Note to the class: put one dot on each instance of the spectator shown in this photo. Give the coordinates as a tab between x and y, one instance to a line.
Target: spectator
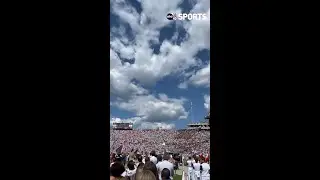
151	167
131	171
136	143
196	169
146	175
190	168
146	159
153	157
159	158
187	142
165	174
205	170
139	159
141	165
165	164
116	171
113	160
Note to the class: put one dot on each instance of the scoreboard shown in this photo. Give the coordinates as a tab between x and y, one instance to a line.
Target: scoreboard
122	126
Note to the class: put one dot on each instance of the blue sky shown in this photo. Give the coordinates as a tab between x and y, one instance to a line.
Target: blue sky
159	67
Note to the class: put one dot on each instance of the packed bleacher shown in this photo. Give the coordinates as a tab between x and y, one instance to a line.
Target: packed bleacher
185	142
157	154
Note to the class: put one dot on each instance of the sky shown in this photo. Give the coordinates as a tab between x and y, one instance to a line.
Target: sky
159	69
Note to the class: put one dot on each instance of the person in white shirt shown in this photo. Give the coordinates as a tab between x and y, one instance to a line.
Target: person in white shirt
153	157
205	173
193	159
196	169
190	168
159	158
165	164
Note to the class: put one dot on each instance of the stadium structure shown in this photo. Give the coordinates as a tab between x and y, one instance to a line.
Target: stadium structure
122	126
204	125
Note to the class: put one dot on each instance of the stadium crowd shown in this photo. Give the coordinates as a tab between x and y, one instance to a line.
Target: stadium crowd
156	154
185	142
151	166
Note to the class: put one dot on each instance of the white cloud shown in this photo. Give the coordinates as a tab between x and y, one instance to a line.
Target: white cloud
121	86
148	125
152	109
149	67
126	52
128	82
207	102
128	120
183	85
114	60
163	97
201	77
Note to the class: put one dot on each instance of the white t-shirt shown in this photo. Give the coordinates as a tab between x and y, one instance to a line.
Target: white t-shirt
157	165
189	162
196	166
205	169
153	159
165	164
196	171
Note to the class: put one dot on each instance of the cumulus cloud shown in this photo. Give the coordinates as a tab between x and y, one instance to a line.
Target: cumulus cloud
149	67
148	125
200	78
152	109
183	85
128	120
121	86
129	82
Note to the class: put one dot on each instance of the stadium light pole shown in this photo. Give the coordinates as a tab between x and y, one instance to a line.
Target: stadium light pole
191	113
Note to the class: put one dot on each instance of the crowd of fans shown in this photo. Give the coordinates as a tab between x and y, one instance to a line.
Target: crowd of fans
136	166
185	142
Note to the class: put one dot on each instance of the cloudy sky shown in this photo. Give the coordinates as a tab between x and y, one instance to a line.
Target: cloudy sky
158	68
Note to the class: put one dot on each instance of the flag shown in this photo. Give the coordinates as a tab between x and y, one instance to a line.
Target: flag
118	151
